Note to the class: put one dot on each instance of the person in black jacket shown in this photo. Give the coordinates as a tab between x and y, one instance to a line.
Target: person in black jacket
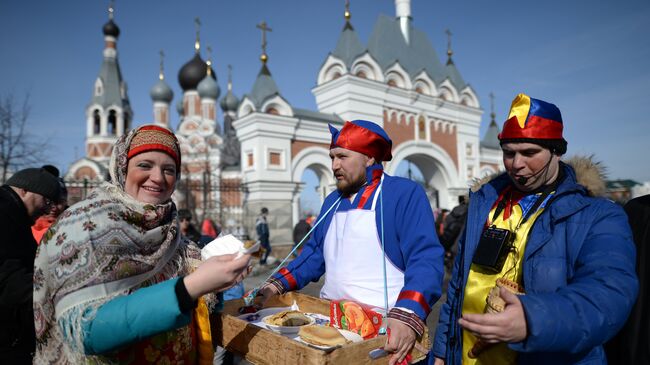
187	228
452	228
27	195
299	232
262	229
631	345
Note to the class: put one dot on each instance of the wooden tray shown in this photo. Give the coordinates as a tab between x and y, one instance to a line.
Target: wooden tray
262	346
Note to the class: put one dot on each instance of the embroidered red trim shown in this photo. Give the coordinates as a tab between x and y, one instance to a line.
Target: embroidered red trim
293	284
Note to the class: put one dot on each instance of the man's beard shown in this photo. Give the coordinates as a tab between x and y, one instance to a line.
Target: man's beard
349	188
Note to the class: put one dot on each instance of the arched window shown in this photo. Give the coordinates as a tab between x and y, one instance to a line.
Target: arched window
272	110
362	75
96	122
111	128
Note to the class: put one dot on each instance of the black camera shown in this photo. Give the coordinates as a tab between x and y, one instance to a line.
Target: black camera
493	249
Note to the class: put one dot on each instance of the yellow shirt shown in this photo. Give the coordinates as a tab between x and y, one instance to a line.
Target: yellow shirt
479	281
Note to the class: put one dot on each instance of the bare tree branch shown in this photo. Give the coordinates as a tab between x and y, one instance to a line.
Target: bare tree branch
18	147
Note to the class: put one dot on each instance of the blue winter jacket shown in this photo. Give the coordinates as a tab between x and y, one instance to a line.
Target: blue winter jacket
578	275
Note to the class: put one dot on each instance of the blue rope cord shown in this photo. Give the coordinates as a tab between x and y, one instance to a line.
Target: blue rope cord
382	329
248	300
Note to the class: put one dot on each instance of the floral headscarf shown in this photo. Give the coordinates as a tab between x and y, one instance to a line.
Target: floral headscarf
106	239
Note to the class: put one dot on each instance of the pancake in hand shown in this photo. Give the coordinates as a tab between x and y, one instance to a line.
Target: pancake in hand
322	336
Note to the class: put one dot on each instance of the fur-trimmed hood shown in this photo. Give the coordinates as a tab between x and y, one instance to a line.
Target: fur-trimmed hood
589	173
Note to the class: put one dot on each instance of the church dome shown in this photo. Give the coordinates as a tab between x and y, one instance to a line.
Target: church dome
111	29
192	73
208	88
161	92
229	102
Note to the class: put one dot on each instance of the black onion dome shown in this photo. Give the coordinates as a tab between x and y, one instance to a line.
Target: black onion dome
110	28
192	73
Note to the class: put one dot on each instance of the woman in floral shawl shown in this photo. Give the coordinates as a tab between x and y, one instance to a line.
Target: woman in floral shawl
114	281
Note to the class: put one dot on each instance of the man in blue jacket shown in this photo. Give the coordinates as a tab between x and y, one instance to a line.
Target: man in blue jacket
368	207
536	231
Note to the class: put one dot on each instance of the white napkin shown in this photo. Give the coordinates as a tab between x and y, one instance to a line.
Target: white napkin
223	245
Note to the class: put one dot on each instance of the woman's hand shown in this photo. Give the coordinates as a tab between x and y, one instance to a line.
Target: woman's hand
216	274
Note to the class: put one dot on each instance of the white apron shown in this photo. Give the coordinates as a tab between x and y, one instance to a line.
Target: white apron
354	260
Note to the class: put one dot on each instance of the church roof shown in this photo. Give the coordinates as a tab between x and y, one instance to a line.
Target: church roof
229	102
193	72
491	138
111	29
208	88
455	77
264	87
387	45
112	81
348	46
161	92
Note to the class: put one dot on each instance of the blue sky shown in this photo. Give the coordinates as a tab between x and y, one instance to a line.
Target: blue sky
588	57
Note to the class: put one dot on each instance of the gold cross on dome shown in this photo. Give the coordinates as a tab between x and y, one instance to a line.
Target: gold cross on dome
162	58
111	9
197	44
264	27
492	105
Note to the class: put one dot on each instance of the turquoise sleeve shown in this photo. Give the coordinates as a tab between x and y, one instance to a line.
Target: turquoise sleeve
134	317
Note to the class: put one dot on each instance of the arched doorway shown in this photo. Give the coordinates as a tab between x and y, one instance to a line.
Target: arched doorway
314	181
423	171
433	167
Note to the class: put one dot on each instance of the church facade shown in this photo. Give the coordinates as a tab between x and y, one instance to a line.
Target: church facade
397	81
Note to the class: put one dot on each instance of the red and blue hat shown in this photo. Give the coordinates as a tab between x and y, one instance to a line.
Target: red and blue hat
364	137
535	121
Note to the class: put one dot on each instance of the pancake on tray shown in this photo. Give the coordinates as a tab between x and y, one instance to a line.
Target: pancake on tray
322	336
288	319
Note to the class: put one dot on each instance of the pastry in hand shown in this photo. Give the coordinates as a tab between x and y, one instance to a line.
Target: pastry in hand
494	304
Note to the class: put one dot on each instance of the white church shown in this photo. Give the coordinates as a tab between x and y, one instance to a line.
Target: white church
259	158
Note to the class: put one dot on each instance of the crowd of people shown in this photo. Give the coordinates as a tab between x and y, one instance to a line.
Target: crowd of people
542	269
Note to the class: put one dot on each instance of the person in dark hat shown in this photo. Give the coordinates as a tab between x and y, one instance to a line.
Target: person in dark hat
187	228
44	222
545	269
375	245
26	195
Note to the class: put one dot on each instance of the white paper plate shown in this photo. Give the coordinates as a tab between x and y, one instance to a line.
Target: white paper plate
286	330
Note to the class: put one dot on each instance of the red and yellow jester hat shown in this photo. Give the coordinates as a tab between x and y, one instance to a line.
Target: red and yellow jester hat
535	121
364	137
